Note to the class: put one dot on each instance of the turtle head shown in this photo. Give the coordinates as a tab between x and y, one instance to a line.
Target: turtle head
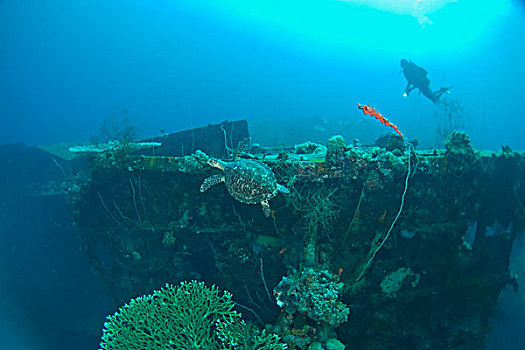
214	162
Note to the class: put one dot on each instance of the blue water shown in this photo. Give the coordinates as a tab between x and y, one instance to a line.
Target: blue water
65	66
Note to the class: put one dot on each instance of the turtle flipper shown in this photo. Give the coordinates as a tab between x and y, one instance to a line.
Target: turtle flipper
282	189
211	181
266	208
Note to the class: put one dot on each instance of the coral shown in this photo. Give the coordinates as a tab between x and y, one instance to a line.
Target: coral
393	283
168	239
190	163
356	162
319	210
336	147
188	316
118	126
458	143
314	292
334	344
460	154
312	311
395	142
336	143
239	335
371	111
316	346
387	167
319	207
309	148
387	163
175	315
450	115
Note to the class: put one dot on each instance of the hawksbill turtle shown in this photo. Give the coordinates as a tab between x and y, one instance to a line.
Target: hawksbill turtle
248	181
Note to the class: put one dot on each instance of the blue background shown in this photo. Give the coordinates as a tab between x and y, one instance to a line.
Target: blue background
66	65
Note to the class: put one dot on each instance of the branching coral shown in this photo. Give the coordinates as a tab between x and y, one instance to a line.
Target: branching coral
319	211
450	115
188	316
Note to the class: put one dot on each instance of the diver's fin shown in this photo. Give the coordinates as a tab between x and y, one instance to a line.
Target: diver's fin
446	90
441	92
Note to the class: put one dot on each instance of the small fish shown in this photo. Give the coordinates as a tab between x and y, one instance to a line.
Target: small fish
382	217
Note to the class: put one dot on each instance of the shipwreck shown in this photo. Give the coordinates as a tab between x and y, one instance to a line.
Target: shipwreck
372	247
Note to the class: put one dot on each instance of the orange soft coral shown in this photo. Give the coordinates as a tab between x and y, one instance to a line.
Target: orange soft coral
372	111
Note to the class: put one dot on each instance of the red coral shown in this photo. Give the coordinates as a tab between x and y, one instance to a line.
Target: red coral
372	111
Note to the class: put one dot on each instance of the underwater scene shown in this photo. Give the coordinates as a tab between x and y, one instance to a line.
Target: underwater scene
311	175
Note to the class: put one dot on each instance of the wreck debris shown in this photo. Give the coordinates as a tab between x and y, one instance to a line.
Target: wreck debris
113	147
217	140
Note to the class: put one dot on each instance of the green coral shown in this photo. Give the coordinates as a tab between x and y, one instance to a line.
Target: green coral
242	336
188	316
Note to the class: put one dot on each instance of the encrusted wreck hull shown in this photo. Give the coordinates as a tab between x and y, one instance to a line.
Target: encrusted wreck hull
419	240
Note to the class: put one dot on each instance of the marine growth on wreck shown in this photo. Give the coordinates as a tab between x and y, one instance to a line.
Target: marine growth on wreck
366	247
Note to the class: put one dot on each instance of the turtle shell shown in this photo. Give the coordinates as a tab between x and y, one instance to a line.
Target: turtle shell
249	181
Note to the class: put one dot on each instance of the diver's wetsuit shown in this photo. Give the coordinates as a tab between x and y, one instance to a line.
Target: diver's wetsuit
417	78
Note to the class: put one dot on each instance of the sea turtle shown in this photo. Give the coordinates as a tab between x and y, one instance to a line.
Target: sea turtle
248	181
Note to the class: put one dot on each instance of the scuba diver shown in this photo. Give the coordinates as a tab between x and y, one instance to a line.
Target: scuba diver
417	78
